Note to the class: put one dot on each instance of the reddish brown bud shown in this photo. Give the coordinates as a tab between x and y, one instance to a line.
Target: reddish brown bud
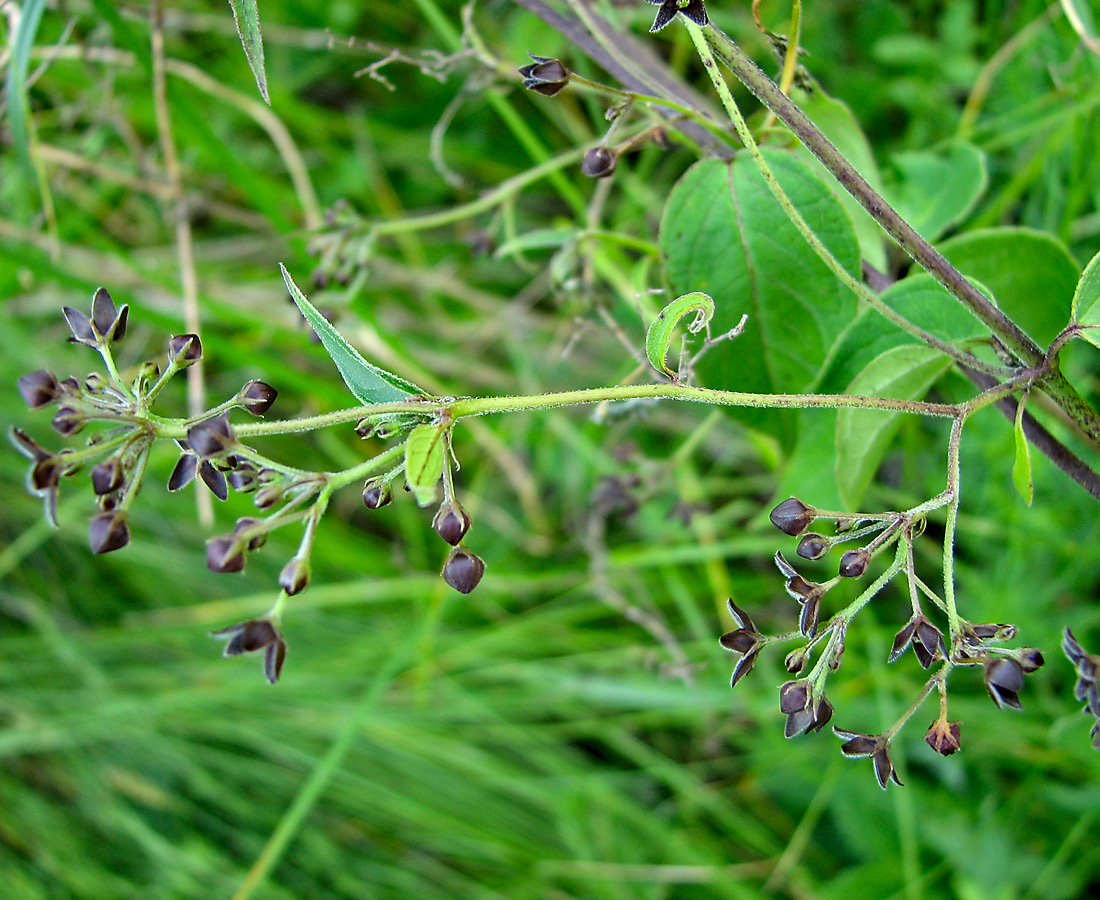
854	563
256	397
39	388
451	523
224	554
108	531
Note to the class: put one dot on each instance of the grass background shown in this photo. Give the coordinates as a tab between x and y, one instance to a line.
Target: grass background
567	730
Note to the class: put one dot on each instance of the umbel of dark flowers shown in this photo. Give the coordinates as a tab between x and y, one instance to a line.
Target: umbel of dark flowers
256	634
691	9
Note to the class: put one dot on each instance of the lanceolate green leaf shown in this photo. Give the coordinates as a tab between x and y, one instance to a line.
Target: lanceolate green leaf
247	16
367	382
723	233
424	461
657	340
16	87
863	435
1086	302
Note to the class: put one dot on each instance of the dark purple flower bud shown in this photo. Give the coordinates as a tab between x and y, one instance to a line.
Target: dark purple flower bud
107	476
256	397
991	632
376	494
463	570
243	478
295	576
854	563
67	421
943	737
807	621
813	546
1030	659
45	474
224	554
186	468
545	75
211	437
451	523
796	661
256	634
108	531
794	696
39	388
213	479
599	162
184	350
792	516
267	497
81	327
246	528
1004	677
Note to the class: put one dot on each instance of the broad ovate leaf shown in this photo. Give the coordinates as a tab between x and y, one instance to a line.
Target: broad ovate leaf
424	458
863	435
724	234
367	382
1031	273
698	305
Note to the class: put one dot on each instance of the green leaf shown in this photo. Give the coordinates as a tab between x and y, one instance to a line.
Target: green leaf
933	191
659	336
247	16
921	300
16	88
1031	273
837	122
724	234
863	435
424	461
367	382
1021	468
1086	302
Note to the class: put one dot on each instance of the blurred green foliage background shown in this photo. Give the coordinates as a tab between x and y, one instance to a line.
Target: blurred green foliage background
567	730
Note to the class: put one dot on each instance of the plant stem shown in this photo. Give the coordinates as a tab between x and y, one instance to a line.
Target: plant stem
1053	383
824	254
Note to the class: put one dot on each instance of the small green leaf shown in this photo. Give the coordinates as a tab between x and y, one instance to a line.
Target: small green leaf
862	435
424	461
659	336
367	382
247	16
1086	302
1021	468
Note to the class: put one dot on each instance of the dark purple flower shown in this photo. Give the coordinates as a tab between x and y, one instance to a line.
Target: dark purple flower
925	638
691	9
1004	677
545	75
877	746
256	634
746	640
943	737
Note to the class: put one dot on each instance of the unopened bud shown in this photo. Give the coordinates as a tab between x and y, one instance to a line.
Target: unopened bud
184	350
599	162
451	523
813	546
792	516
39	388
463	570
854	563
108	531
224	554
376	494
211	437
256	397
295	576
67	421
107	476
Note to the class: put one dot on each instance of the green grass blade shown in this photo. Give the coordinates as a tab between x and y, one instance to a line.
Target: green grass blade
22	42
247	16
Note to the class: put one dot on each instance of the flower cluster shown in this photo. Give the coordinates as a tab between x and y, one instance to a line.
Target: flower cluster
803	701
1087	688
